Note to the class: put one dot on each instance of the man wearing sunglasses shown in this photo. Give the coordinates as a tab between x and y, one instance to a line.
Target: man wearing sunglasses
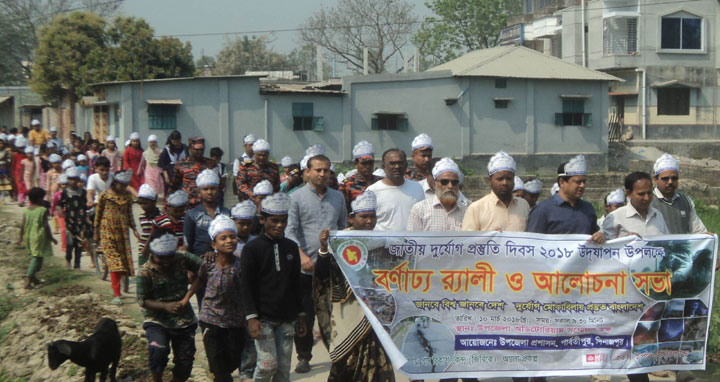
677	208
443	211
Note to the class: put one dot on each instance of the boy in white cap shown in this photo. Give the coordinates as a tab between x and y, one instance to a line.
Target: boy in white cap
519	187
355	184
271	291
169	322
261	168
147	199
243	214
442	212
422	149
286	162
173	218
533	188
198	219
81	162
499	210
613	201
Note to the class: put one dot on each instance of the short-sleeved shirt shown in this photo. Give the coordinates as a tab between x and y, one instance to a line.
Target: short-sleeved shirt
184	177
222	304
163	221
97	184
491	214
394	204
154	284
556	216
38	138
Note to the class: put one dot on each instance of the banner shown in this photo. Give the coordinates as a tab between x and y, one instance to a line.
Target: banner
493	304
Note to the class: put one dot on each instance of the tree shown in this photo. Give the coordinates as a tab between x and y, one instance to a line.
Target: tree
248	54
384	27
20	22
304	59
461	26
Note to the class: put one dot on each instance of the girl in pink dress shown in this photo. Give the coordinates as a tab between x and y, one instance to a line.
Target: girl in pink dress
153	172
111	152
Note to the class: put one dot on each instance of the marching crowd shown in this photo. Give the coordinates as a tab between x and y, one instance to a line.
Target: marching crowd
261	271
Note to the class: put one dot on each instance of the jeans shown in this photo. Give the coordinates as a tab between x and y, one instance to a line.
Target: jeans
249	357
223	347
274	351
304	344
160	339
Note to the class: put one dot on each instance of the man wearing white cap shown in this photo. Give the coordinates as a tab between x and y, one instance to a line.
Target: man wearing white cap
565	212
37	136
499	210
261	168
533	188
613	201
677	208
442	212
247	155
199	218
57	141
186	171
354	185
313	208
422	149
272	292
395	194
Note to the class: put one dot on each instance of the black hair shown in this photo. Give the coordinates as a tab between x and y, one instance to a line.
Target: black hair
216	152
36	195
13	131
316	158
633	177
394	150
157	232
102	161
174	135
561	170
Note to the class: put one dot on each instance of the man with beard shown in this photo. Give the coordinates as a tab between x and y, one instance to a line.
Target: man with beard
395	195
442	212
422	149
499	210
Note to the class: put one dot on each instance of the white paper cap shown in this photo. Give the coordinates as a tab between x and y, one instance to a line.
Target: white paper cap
263	188
367	201
446	165
244	210
261	145
164	245
616	197
422	141
501	161
178	198
519	185
207	178
666	162
147	192
533	186
276	204
221	223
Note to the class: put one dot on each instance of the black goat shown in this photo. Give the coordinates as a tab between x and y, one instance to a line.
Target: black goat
95	354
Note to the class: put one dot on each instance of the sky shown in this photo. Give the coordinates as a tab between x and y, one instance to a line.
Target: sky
177	17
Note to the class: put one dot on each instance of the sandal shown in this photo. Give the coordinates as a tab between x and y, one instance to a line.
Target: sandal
116	301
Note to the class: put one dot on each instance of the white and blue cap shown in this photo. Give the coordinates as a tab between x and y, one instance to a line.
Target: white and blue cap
316	149
615	197
554	189
147	192
367	201
54	158
249	139
261	145
303	162
501	161
29	150
244	210
379	172
73	173
53	129
110	138
666	162
533	186
67	163
575	166
446	165
63	179
221	223
286	161
135	136
363	149
165	245
207	178
178	198
422	142
81	158
519	185
123	177
263	188
276	204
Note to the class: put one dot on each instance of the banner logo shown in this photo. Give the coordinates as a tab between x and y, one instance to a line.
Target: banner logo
354	253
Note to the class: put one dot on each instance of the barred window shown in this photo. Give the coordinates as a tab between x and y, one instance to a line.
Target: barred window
620	35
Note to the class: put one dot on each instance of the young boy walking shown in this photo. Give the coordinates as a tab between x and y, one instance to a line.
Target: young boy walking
35	235
270	288
147	198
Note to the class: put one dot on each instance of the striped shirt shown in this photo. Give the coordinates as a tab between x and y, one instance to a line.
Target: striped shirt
163	221
430	215
146	226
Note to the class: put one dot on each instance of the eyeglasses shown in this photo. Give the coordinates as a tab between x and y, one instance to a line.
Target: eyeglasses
445	182
667	178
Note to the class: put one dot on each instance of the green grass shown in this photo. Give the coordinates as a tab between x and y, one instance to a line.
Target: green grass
7	305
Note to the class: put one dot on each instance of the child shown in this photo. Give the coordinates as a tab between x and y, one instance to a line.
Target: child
147	197
92	154
5	157
169	324
28	168
113	220
35	235
221	319
261	191
173	218
111	153
51	177
132	157
286	163
355	350
100	181
270	289
82	165
153	173
220	169
58	212
73	203
198	219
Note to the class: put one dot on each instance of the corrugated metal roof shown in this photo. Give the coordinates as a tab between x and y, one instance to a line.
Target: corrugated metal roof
164	101
519	62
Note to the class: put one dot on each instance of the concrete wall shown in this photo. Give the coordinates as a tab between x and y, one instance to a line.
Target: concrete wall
10	112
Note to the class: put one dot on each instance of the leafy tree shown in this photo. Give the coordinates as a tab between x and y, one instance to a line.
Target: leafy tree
248	54
384	27
460	26
20	22
304	59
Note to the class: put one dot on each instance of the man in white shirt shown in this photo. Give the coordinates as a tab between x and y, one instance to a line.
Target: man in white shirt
637	217
100	181
395	194
443	211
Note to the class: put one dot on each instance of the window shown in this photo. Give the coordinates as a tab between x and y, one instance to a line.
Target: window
573	113
500	83
303	118
681	31
620	35
673	101
501	103
162	117
390	121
